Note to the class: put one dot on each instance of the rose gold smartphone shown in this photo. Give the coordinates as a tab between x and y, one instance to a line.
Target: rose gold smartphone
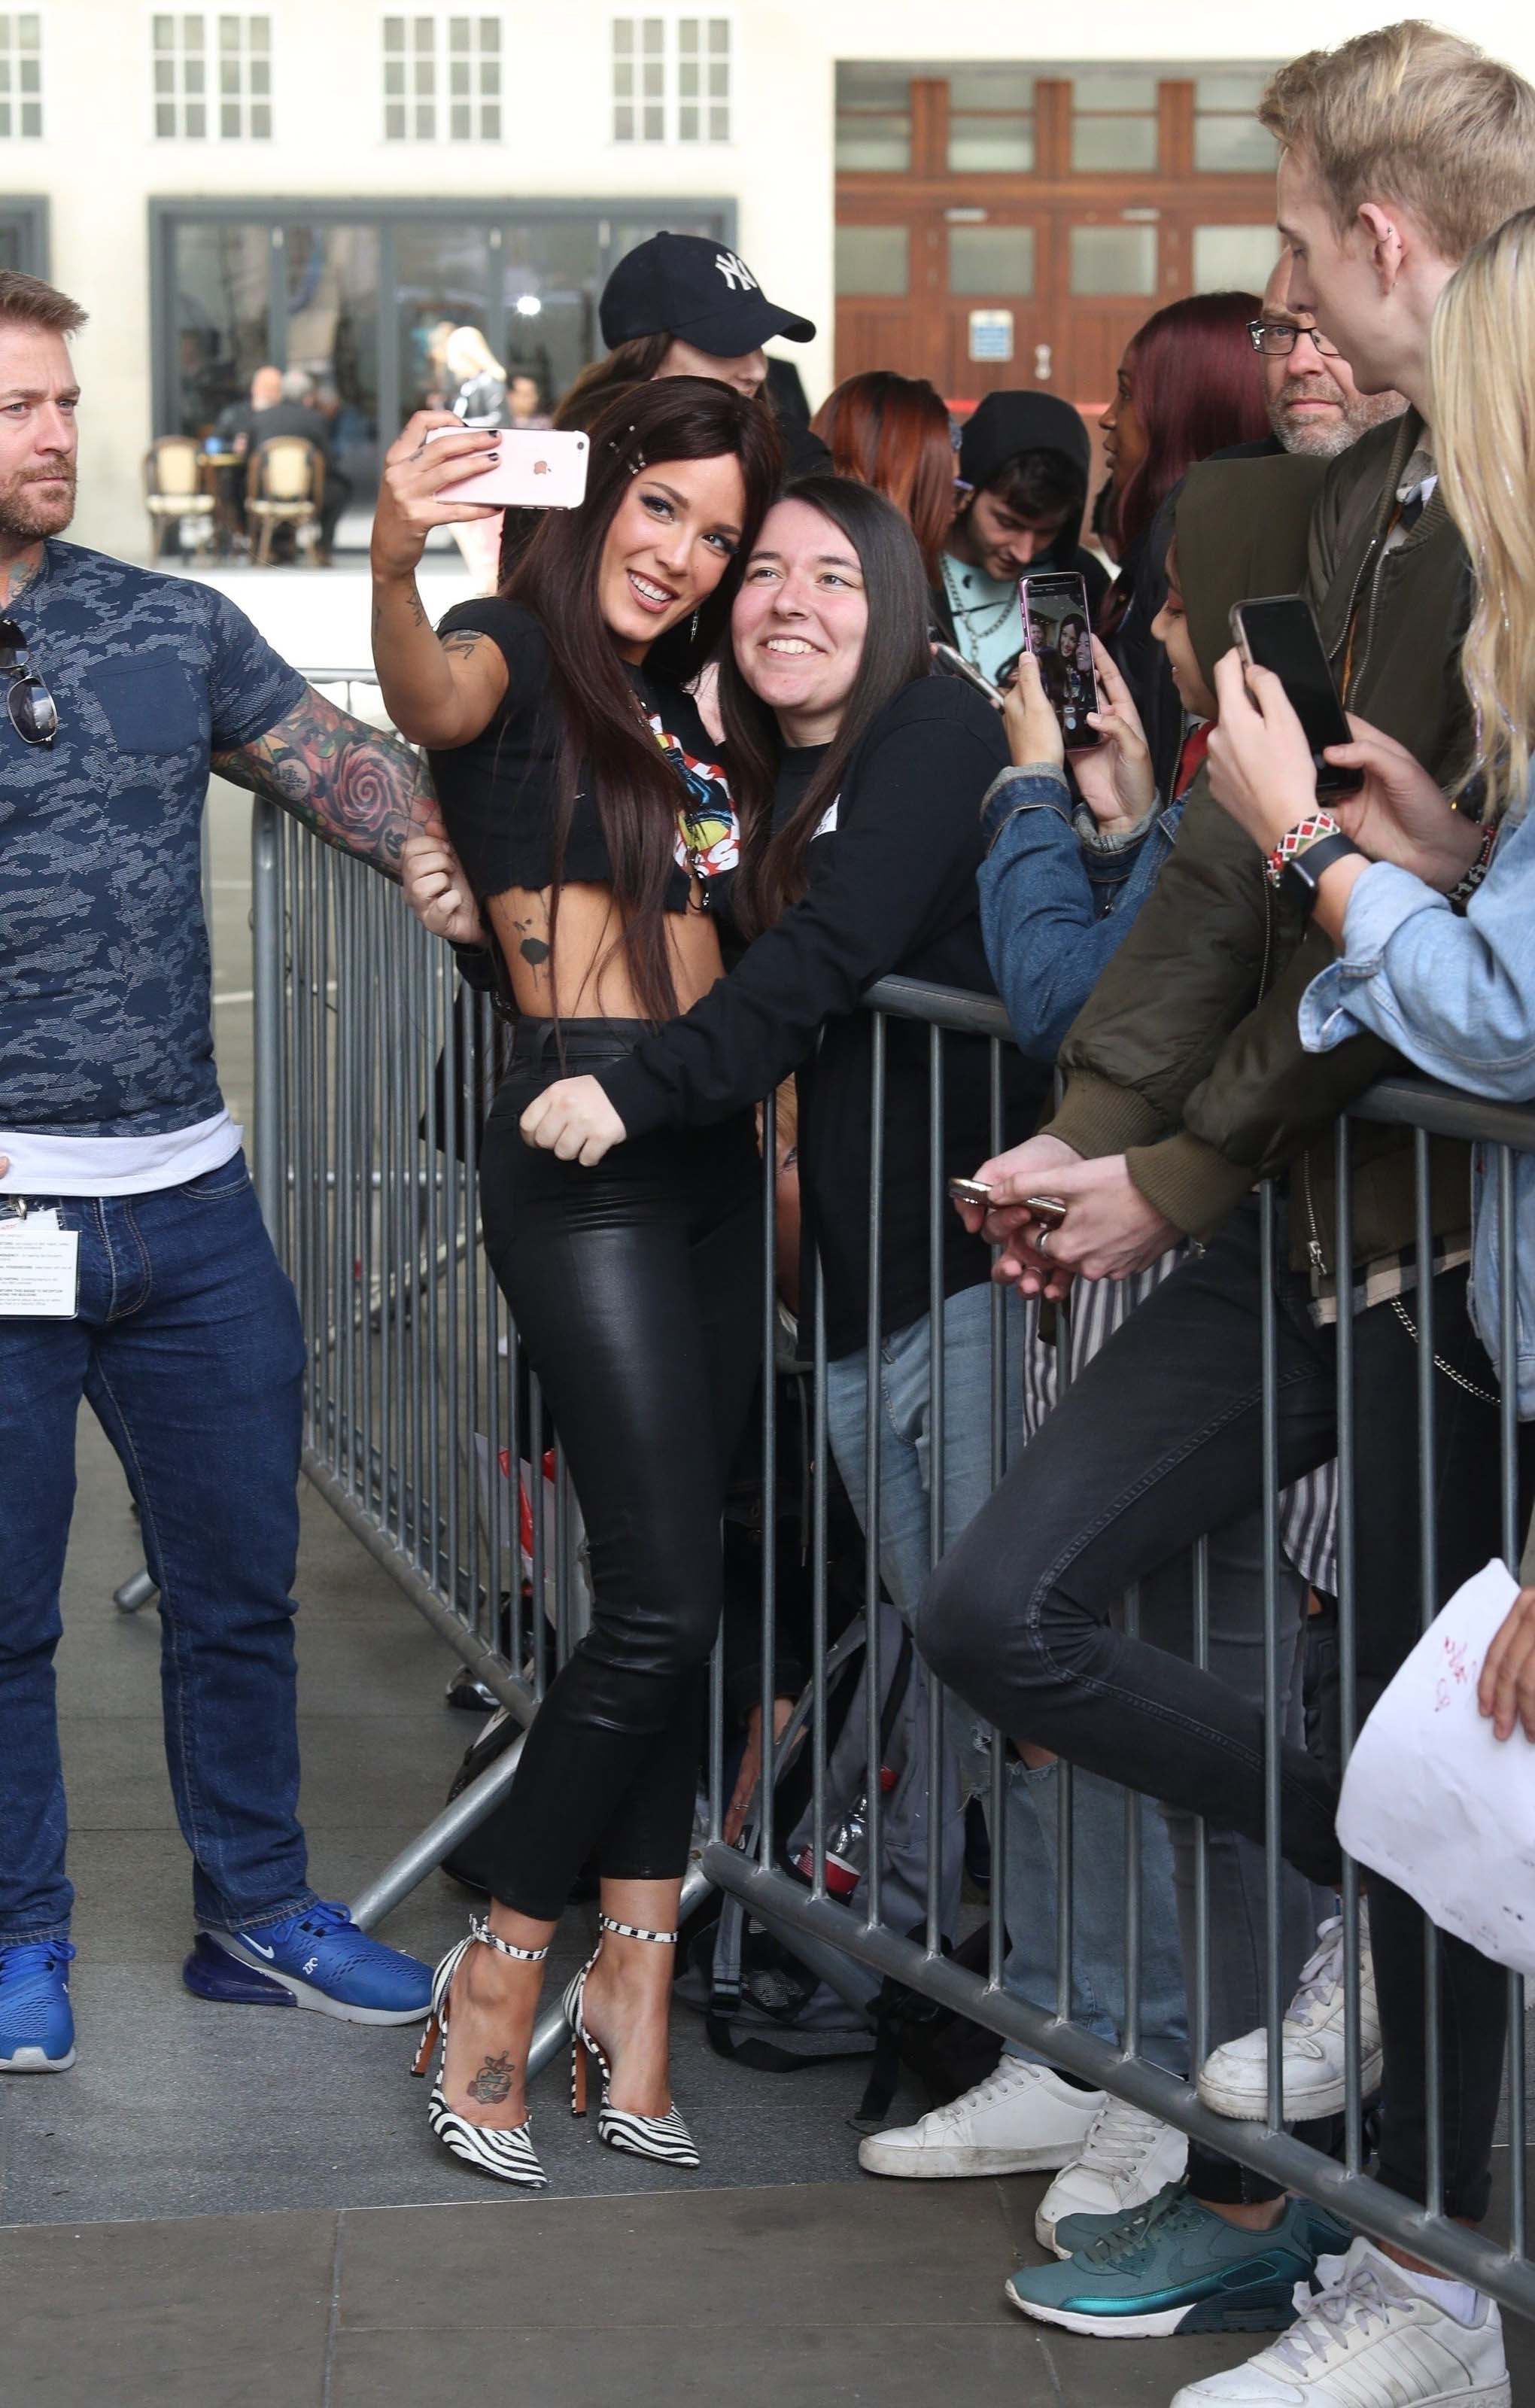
539	469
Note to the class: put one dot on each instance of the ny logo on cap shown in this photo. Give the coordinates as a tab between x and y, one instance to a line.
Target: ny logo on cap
735	272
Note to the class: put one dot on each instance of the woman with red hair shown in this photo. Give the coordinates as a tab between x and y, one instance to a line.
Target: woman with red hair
1189	385
892	432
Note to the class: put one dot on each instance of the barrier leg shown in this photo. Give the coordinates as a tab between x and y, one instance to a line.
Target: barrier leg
439	1838
137	1590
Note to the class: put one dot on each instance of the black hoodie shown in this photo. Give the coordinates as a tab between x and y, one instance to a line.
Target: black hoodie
1003	427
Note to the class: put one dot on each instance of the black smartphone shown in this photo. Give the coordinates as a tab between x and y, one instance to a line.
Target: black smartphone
1279	632
1058	631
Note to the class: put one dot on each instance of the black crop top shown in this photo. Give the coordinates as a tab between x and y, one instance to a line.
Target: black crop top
498	792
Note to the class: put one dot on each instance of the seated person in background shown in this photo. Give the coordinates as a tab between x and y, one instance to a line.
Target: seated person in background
1025	458
234	423
294	412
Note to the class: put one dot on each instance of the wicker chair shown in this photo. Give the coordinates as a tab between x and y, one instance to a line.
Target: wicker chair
173	488
285	485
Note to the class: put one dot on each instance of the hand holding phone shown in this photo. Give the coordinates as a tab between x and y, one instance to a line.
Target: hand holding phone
1279	632
536	468
970	1191
1058	631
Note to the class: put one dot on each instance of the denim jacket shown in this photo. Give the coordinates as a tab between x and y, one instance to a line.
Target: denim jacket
1056	899
1457	997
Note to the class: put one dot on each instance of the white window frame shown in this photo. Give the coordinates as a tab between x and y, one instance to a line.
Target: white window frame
442	100
676	107
15	98
212	97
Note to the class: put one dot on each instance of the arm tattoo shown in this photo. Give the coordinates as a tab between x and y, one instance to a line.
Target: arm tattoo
463	643
355	788
494	2081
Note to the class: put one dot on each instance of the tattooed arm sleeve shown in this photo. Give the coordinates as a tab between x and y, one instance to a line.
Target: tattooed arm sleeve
355	788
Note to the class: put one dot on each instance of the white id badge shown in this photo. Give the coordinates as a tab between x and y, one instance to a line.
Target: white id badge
39	1268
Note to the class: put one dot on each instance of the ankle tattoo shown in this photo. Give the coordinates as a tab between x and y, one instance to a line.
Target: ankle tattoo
494	2081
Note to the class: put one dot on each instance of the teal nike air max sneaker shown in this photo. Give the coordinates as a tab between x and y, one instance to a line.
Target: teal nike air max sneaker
1174	2267
1074	2233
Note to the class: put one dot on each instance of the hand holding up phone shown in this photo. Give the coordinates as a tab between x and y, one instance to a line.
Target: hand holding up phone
1115	780
410	491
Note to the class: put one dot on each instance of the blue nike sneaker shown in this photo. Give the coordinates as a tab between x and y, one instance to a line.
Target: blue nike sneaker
318	1960
1174	2266
1329	2236
36	2021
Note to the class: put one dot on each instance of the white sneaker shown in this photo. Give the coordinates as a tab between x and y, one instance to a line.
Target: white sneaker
1369	2339
1125	2160
1023	2119
1233	2080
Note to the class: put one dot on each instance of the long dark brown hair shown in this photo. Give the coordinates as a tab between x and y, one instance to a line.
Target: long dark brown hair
892	432
605	742
895	653
1195	386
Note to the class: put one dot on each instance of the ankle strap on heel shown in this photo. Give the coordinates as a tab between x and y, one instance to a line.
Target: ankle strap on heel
632	1931
481	1931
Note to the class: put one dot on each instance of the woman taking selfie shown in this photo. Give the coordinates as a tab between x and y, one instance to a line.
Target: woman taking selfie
580	796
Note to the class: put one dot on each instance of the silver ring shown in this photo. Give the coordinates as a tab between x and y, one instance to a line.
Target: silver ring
1042	1243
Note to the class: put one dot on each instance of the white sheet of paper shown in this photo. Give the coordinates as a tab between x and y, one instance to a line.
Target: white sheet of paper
39	1270
1434	1802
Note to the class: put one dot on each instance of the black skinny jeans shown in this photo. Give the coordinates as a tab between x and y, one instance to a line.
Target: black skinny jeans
635	1289
1158	1441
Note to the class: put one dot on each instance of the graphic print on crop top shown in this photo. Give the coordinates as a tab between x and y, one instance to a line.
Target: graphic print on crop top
708	838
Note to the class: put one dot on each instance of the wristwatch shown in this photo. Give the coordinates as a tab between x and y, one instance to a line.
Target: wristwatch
1303	869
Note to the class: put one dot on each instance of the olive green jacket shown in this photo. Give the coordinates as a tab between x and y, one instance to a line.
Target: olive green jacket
1187	1057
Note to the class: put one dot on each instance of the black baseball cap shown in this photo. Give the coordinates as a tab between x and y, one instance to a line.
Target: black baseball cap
685	284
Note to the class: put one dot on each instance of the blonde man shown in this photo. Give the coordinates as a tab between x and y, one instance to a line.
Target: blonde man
1186	1079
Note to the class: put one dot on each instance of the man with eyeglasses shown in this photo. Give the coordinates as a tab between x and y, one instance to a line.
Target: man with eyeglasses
1315	406
134	1268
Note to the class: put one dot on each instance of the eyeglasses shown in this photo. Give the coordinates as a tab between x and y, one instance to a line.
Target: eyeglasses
33	712
1276	337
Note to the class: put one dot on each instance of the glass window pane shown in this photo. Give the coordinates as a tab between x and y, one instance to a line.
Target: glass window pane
394	79
164	34
1232	145
1233	258
31	72
1113	88
394	122
687	123
875	145
261	32
986	260
164	75
164	120
197	121
623	124
719	34
873	87
872	259
261	76
719	124
229	78
489	34
458	78
622	36
29	32
1113	259
655	130
1230	88
990	87
229	120
687	80
979	146
1103	145
459	121
261	121
393	31
427	123
192	33
490	121
221	278
719	82
458	33
229	33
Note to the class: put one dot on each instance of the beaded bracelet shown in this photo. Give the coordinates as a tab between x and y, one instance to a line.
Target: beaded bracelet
1468	885
1296	839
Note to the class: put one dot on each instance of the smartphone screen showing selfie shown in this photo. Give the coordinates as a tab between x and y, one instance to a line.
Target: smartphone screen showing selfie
1279	632
1057	630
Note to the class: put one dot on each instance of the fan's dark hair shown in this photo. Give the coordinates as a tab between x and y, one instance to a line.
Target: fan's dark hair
605	742
895	652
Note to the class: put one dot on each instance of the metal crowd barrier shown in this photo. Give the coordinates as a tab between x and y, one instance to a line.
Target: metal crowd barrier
371	1071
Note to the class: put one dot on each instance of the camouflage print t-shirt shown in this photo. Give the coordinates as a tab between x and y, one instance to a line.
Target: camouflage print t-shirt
104	1003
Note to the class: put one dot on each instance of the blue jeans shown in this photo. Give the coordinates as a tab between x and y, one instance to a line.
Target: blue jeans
188	1347
1098	1806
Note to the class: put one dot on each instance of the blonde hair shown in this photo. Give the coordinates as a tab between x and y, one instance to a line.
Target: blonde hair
1480	354
1412	114
466	354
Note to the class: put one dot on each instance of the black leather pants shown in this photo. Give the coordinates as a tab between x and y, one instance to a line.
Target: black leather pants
636	1288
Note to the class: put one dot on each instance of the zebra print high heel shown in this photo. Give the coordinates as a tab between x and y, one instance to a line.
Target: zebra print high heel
666	2138
507	2155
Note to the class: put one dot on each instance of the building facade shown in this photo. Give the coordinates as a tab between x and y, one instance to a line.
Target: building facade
983	194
